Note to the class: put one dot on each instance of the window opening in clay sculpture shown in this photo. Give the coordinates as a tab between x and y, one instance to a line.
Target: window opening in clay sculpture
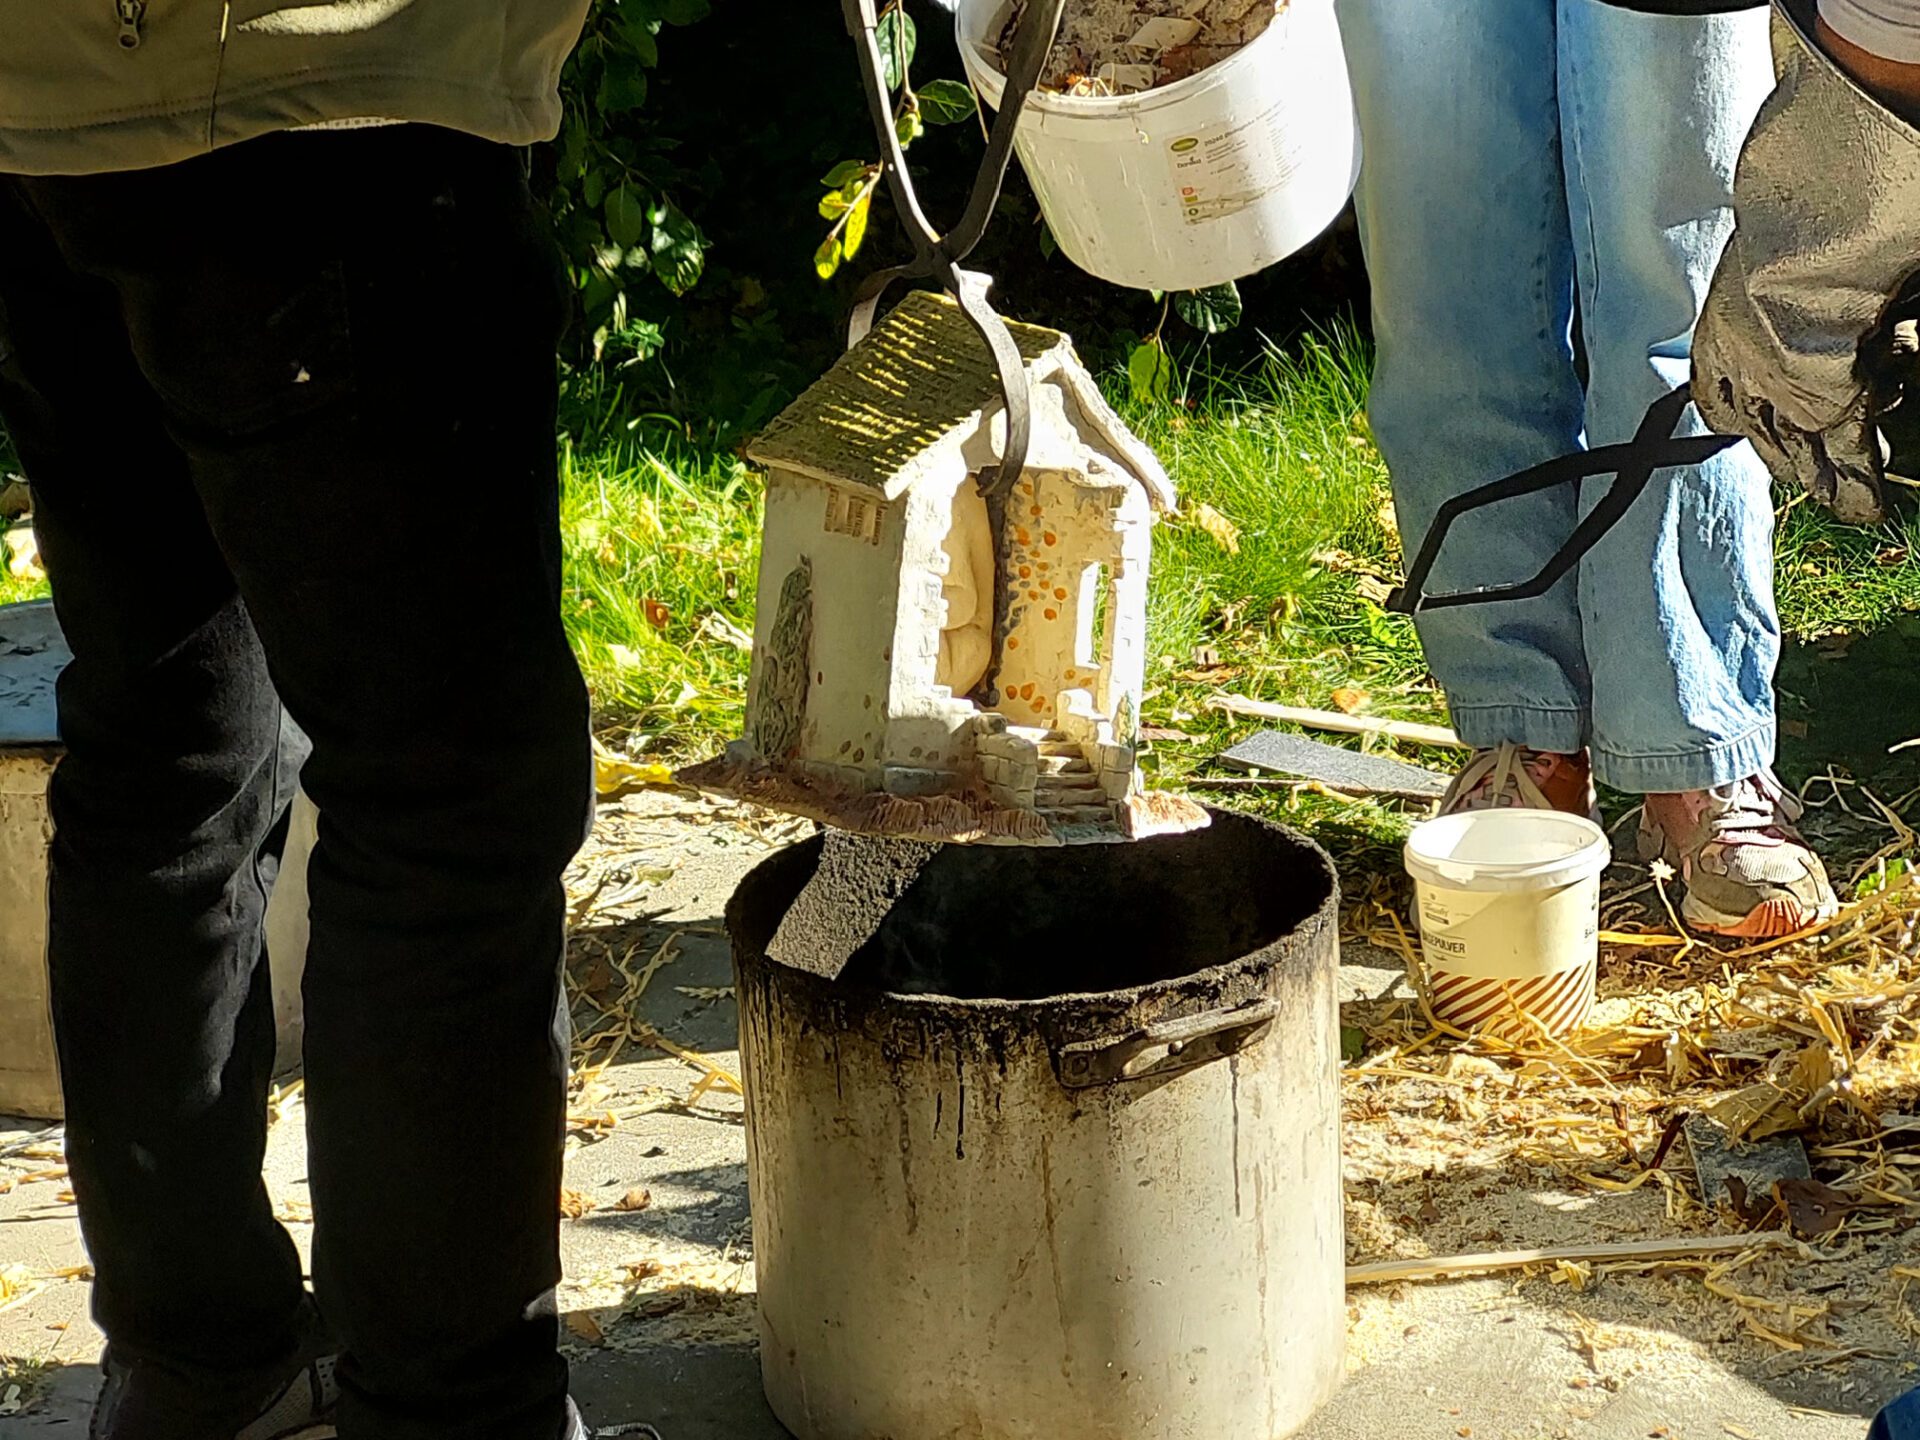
1090	648
966	629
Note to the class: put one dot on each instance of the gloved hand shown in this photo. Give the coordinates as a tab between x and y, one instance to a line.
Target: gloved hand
1806	336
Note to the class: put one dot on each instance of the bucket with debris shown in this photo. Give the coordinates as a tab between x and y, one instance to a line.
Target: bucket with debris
1178	144
1045	1142
1509	908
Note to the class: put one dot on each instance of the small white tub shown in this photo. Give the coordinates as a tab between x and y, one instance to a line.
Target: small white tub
1508	902
1206	180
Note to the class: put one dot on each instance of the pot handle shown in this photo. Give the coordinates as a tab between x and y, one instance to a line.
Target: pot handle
1166	1047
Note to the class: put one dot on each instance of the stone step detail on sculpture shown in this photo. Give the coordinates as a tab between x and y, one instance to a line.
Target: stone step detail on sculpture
1064	765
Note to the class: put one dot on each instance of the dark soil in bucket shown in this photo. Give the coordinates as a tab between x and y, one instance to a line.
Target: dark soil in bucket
1014	923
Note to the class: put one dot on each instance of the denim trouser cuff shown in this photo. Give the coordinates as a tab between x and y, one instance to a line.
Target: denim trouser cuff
1646	773
1663	772
1537	728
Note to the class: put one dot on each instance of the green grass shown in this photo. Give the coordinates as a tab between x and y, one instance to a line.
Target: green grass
1831	577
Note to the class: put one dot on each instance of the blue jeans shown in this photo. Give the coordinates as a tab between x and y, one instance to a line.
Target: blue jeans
1520	152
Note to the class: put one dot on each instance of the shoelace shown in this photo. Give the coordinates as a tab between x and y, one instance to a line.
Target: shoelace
1505	766
1759	807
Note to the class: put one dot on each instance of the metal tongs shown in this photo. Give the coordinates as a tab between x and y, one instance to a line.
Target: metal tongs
1653	447
940	255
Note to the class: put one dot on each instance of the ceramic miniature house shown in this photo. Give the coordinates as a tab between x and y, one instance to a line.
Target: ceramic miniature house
929	664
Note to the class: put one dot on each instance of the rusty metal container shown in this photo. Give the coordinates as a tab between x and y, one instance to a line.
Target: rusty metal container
1057	1154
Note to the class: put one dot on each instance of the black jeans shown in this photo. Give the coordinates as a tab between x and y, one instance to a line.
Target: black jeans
288	412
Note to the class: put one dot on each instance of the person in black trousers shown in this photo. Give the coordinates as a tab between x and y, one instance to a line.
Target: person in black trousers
288	411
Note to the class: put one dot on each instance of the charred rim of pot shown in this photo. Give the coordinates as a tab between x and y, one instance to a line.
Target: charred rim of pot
1006	923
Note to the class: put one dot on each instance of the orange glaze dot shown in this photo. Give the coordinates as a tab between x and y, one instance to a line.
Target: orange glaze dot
1036	512
1033	594
1021	534
1026	691
1013	642
1059	592
1025	571
1051	613
1050	538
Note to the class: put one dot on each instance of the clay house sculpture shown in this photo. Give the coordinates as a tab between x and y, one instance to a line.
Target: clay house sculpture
930	665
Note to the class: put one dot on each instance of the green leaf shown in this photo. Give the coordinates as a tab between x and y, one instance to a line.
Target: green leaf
623	85
1049	247
573	151
1149	371
896	36
639	34
833	205
679	249
908	128
856	226
593	189
844	173
827	258
1211	310
626	218
945	102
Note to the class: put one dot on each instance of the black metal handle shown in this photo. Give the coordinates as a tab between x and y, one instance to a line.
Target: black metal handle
1166	1047
1653	447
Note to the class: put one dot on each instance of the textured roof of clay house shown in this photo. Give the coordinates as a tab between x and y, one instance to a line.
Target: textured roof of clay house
922	374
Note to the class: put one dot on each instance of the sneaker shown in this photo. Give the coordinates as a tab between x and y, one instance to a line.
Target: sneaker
1748	873
578	1429
142	1401
1531	779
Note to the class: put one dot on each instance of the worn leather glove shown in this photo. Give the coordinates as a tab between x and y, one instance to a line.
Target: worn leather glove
1807	335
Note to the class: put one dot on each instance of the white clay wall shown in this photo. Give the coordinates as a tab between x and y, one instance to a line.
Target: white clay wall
854	603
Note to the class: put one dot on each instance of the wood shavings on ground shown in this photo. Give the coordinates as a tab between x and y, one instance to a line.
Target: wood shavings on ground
672	1295
1110	47
1457	1145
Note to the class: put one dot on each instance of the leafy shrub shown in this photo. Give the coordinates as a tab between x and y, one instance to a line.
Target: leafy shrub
611	180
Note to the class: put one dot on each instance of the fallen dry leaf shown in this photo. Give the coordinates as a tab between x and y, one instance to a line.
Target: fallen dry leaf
614	775
657	614
1813	1209
635	1199
573	1204
642	1269
1349	701
586	1327
1225	533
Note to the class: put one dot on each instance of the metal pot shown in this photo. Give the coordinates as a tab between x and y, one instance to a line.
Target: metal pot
1058	1153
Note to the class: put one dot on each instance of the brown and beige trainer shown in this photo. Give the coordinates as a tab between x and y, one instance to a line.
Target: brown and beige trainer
1747	870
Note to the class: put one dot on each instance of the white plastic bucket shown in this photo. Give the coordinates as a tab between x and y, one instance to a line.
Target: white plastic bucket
1199	182
1508	902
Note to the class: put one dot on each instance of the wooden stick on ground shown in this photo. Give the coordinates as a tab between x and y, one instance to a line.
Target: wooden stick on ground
1334	720
1446	1266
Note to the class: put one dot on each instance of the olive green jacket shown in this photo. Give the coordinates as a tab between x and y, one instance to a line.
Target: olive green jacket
91	85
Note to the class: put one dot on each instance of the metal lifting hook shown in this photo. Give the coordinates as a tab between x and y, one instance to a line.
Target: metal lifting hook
939	255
